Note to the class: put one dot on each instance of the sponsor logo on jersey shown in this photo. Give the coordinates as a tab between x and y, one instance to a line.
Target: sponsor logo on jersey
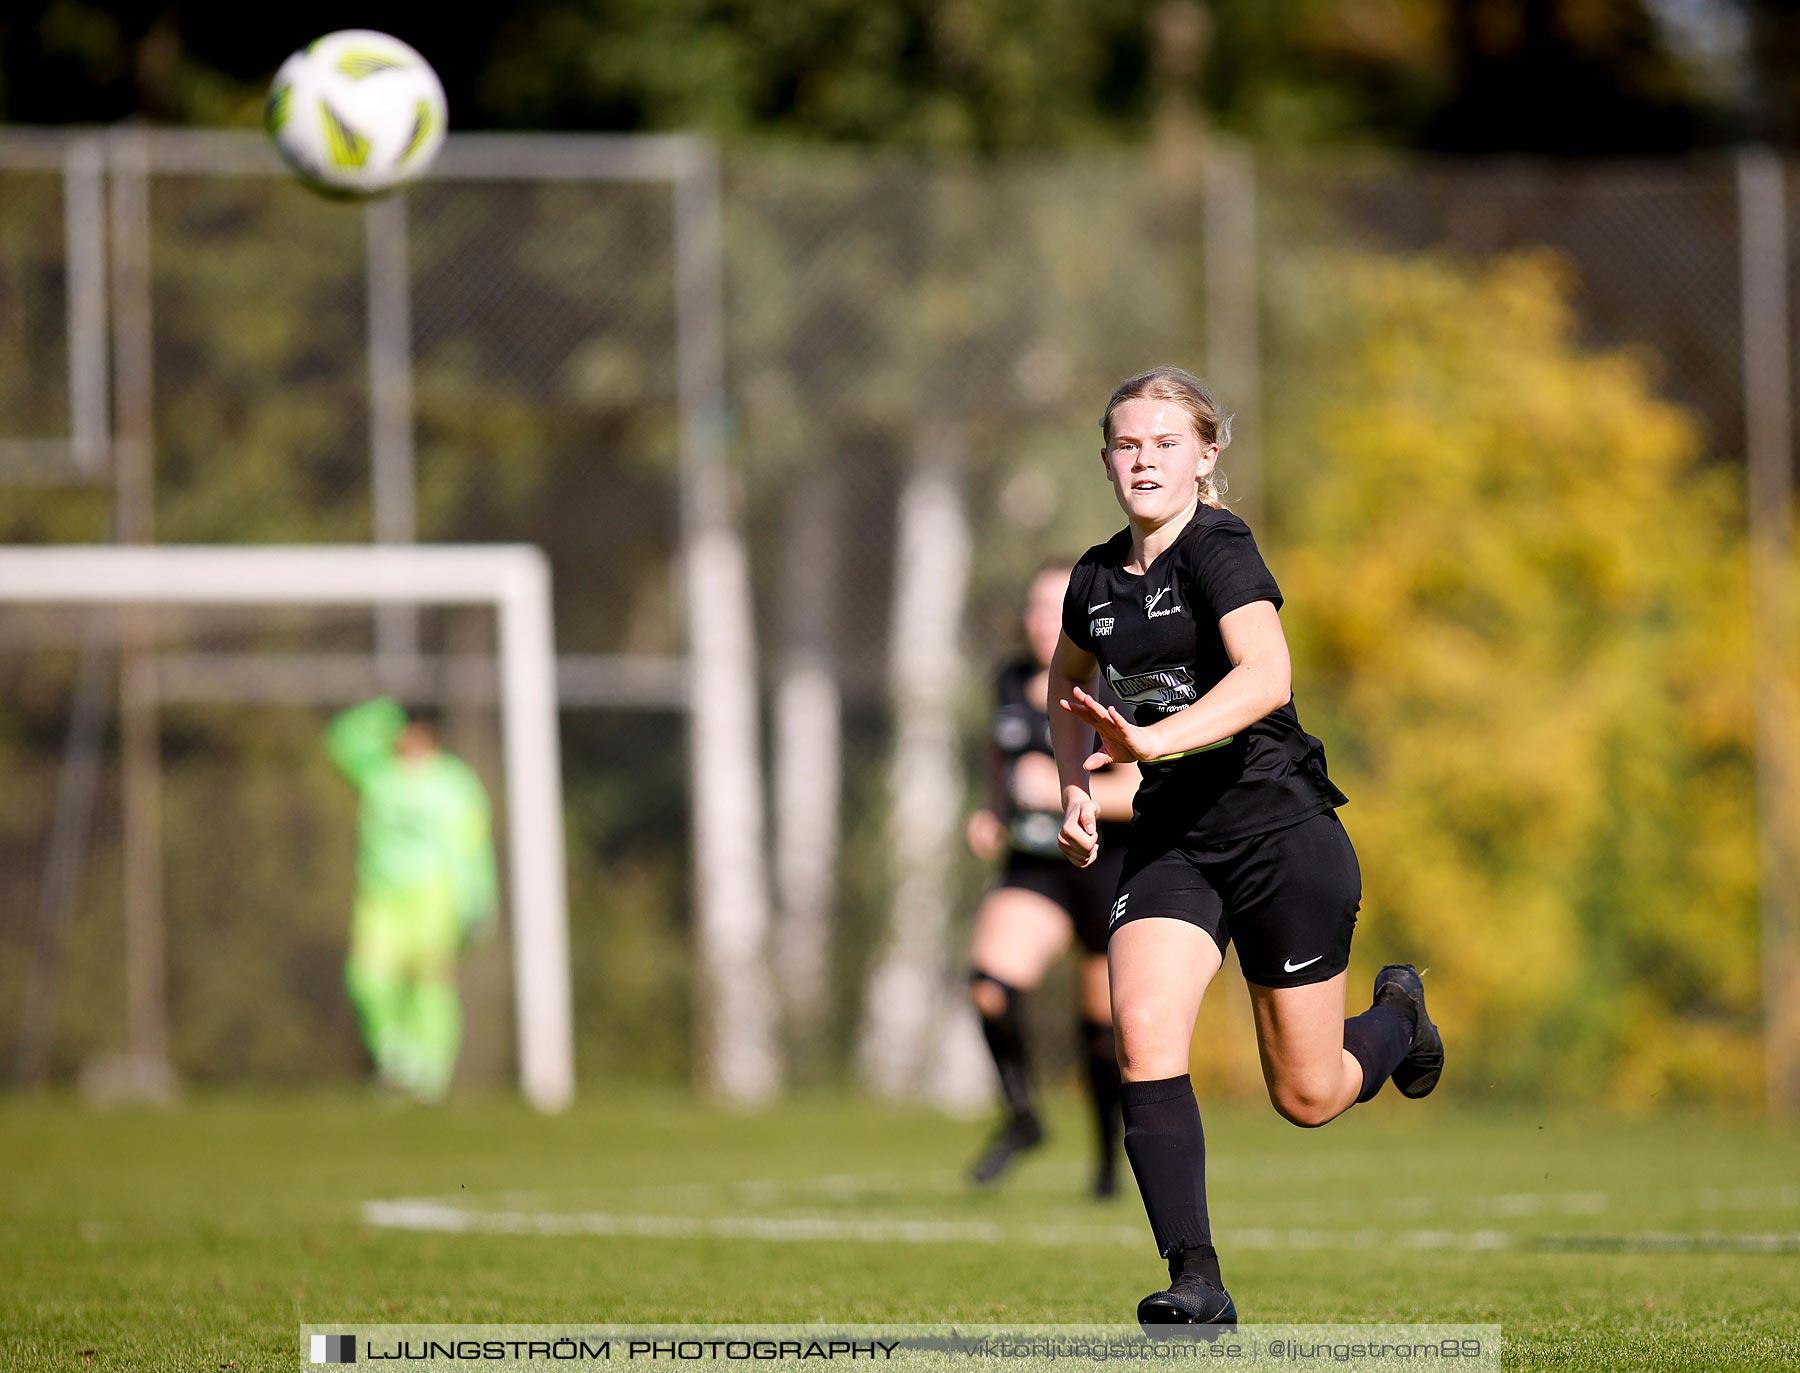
1168	688
1099	629
1150	610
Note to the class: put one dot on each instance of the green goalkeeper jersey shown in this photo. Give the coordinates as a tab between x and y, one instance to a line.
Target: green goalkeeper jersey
423	825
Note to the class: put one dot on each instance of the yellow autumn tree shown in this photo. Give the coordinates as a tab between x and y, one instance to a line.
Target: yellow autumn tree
1518	605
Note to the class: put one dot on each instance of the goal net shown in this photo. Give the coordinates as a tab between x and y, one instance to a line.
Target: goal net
180	852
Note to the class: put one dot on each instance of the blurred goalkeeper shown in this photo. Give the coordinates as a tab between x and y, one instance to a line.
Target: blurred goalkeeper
425	886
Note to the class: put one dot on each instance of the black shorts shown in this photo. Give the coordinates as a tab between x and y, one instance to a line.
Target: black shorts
1085	893
1288	897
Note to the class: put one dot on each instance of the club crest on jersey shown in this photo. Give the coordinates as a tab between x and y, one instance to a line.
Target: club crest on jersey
1100	628
1150	606
1168	688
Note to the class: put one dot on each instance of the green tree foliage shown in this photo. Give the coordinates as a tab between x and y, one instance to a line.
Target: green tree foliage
1604	75
1000	73
970	73
1518	607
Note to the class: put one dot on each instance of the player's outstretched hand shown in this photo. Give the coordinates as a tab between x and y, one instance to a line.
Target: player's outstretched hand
1080	836
1120	740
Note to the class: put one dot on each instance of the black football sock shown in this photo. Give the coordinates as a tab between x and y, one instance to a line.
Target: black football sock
1005	1035
1379	1039
1103	1086
1204	1261
1167	1149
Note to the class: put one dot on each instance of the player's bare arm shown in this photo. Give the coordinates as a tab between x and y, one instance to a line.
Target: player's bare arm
1071	668
1260	681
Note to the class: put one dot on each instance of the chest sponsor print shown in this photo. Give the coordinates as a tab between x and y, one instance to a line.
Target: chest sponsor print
1168	688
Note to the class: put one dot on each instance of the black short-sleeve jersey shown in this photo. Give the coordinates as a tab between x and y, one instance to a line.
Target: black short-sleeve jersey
1157	638
1021	728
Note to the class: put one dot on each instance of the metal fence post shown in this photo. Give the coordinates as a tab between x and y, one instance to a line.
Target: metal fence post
387	272
1769	439
146	1069
1233	340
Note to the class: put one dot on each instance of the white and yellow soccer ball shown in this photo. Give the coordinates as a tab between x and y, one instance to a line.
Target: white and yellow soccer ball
356	113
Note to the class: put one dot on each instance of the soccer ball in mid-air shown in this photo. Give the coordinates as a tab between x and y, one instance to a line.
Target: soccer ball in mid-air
356	113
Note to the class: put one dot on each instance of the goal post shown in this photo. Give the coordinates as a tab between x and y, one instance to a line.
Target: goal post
515	581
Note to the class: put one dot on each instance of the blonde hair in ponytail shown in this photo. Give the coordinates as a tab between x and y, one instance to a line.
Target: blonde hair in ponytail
1183	388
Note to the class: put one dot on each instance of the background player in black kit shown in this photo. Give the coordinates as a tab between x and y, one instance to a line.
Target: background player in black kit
1235	834
1039	903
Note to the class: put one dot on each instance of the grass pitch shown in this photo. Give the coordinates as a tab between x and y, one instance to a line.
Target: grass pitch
203	1237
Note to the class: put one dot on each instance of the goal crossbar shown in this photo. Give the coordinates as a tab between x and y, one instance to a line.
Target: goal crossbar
515	580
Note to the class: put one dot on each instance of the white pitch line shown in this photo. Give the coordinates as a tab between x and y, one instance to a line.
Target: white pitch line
1672	1243
423	1213
1512	1204
523	1216
419	1213
754	1192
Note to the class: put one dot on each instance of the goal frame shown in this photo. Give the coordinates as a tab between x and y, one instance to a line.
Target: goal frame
515	580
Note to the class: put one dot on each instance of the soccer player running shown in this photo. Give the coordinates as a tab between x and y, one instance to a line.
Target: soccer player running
1026	922
1235	835
425	884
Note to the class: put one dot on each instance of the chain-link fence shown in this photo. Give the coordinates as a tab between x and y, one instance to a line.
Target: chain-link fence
888	320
